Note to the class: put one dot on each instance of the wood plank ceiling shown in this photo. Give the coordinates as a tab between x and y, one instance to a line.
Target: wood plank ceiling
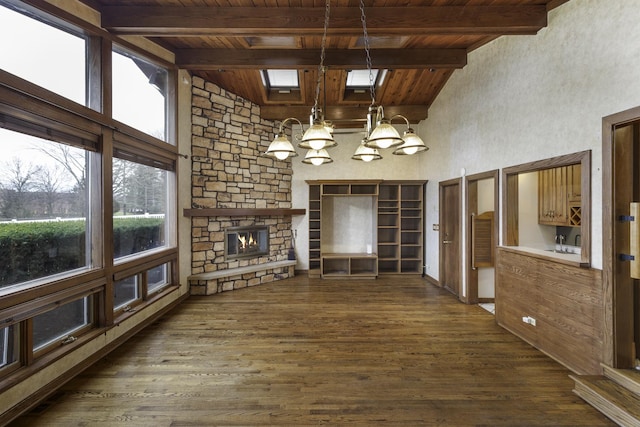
421	43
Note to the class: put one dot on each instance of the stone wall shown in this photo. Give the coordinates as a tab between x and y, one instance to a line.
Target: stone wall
229	171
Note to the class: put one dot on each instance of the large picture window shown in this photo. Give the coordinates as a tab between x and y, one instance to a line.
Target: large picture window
140	207
139	93
44	209
87	186
43	54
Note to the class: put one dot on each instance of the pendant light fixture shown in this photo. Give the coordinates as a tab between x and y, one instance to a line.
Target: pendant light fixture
318	137
366	154
381	135
412	143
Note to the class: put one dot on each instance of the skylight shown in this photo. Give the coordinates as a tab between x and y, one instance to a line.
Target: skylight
280	79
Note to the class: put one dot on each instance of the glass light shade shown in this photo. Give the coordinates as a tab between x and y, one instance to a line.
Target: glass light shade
317	137
328	126
281	148
412	144
365	153
317	157
384	136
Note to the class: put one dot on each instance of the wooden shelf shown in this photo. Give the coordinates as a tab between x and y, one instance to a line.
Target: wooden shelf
349	265
398	215
242	212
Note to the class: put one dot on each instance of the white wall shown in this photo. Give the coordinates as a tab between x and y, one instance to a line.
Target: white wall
525	98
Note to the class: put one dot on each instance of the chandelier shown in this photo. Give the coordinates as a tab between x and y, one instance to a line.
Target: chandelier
318	137
379	133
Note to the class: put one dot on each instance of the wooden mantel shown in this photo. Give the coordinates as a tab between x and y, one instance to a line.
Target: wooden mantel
242	212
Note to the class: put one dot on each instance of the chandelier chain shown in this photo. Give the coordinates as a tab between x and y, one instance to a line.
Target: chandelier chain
321	69
367	50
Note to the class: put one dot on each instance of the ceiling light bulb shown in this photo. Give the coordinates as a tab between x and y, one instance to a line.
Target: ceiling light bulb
410	150
316	161
366	157
317	144
281	155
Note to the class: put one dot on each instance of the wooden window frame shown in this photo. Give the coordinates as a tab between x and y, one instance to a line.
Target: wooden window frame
510	197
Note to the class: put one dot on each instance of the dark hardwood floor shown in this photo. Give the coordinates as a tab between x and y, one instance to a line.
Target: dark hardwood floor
393	351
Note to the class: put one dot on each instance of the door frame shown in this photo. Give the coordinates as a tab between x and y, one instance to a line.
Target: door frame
611	302
441	186
471	182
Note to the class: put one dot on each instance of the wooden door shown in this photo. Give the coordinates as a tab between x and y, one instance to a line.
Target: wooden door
481	199
626	162
450	253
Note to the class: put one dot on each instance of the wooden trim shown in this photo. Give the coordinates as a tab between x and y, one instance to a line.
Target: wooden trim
609	123
510	199
472	199
441	203
32	308
214	59
196	212
232	21
143	263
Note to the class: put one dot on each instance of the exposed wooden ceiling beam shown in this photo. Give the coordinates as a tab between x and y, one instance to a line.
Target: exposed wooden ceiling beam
214	59
354	116
246	21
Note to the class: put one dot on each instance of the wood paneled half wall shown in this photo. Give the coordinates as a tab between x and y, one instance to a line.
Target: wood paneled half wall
553	306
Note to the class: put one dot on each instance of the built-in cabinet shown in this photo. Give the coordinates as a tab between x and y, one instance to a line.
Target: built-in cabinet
559	196
361	229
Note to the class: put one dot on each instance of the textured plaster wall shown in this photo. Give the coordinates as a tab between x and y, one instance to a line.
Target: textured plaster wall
525	98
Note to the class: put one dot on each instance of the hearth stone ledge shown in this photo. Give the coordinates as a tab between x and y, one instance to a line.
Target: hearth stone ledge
241	277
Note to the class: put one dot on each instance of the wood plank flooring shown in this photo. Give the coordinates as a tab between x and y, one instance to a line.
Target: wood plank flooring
393	351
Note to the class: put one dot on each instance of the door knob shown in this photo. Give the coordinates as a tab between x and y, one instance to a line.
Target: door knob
446	242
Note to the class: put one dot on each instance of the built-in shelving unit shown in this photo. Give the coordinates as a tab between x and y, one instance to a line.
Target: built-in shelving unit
315	213
400	222
389	222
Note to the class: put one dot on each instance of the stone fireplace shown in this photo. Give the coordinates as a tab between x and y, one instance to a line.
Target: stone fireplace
246	242
234	187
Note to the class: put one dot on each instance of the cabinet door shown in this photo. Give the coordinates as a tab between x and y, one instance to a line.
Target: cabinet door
555	187
546	196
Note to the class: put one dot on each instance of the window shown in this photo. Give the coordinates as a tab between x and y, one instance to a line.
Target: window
125	291
139	93
8	346
280	79
541	200
43	54
44	209
359	83
157	278
54	326
56	283
360	79
140	194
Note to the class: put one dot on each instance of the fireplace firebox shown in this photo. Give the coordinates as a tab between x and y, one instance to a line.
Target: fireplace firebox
246	242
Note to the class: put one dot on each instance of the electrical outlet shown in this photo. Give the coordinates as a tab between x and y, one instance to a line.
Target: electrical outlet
436	227
532	321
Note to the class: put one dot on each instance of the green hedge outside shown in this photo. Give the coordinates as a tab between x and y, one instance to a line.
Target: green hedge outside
30	250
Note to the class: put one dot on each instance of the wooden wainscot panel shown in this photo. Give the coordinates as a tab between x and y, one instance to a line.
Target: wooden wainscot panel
565	301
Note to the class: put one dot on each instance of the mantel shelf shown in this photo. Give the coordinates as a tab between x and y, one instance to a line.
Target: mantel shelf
242	212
